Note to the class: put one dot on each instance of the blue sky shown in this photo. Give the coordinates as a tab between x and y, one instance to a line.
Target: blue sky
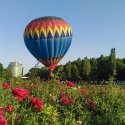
98	26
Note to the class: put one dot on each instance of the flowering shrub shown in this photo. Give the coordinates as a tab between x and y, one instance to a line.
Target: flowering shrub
63	94
92	106
6	86
3	121
9	109
88	100
37	103
65	103
20	93
1	111
70	83
73	100
64	100
84	91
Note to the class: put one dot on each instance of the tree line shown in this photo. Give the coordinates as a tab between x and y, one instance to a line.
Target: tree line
87	69
5	73
93	69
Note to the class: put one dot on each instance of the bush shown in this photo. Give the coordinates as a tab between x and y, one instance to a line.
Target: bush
57	103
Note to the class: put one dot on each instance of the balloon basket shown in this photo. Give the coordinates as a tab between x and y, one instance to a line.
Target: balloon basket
51	74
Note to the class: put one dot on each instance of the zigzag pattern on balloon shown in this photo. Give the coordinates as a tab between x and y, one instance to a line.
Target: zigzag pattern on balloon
43	30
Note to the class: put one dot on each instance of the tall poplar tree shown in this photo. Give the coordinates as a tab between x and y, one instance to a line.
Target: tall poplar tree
112	59
86	68
74	72
67	70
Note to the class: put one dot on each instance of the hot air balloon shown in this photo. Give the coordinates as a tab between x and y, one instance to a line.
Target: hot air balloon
48	39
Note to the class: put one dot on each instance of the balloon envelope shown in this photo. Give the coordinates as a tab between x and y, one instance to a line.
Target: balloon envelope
48	39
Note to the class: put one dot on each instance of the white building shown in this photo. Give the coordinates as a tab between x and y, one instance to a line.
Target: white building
16	68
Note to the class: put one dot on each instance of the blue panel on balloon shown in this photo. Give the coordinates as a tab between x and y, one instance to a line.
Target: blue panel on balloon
62	35
36	37
65	40
42	36
61	46
32	48
44	48
56	47
67	34
50	44
49	35
56	35
30	37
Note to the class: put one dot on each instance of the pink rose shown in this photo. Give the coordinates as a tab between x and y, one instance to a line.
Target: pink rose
70	83
64	100
6	86
9	109
84	91
3	121
62	94
73	100
88	100
20	94
37	103
1	111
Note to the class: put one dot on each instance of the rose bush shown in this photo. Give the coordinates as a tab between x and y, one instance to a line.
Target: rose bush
3	121
6	86
20	93
35	102
9	109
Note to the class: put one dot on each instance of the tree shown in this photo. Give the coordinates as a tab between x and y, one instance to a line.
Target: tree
59	71
86	68
1	69
7	74
120	68
112	59
74	72
33	72
103	68
79	66
44	73
94	69
67	70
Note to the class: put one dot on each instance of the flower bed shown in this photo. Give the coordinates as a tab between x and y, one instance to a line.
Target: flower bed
61	103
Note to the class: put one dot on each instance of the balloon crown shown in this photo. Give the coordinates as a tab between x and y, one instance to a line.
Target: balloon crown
47	27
